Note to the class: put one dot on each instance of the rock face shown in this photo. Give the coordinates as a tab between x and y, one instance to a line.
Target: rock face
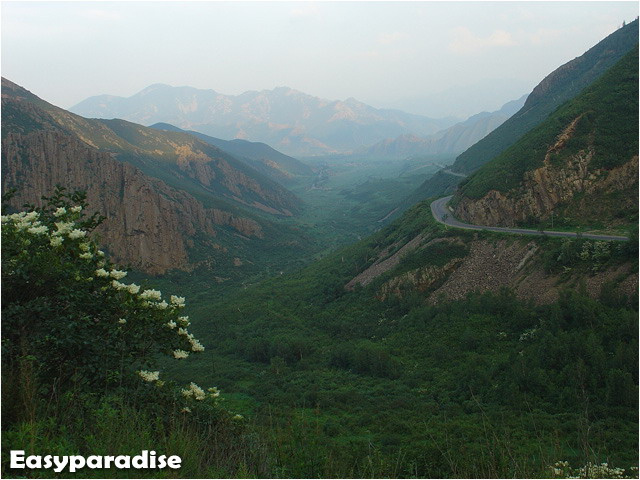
149	224
420	279
545	188
179	159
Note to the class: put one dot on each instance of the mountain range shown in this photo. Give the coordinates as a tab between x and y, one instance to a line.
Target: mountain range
165	194
450	141
289	120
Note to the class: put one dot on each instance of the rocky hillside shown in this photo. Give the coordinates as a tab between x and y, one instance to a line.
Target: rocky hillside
581	164
561	85
415	256
450	141
149	224
153	225
288	120
179	159
260	156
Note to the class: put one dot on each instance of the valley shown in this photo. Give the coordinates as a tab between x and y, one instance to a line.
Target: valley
368	293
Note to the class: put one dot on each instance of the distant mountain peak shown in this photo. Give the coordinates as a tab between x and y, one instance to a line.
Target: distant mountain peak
291	121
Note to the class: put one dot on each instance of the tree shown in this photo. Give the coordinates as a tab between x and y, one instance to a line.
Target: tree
67	319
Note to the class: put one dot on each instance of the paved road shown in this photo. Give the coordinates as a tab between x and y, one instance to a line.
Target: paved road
446	170
442	214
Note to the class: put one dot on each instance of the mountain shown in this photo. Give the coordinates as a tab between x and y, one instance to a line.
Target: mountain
172	201
452	140
291	121
580	164
262	157
178	158
561	85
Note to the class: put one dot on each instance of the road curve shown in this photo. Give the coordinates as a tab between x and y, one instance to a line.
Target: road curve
442	214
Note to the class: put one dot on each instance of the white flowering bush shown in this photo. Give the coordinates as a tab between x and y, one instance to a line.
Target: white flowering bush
70	311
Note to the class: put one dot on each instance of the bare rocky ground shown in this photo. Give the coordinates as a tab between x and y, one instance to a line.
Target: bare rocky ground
490	265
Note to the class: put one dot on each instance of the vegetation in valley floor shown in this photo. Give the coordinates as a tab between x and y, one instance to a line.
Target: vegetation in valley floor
342	384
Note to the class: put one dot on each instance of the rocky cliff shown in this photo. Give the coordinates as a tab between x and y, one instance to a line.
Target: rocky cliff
546	188
580	164
149	224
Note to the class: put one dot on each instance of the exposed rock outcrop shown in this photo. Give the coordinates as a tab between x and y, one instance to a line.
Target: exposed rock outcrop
545	188
149	224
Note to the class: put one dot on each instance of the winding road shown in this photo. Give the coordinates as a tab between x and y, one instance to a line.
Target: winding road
444	215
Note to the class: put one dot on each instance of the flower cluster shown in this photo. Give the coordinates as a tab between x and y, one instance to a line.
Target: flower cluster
562	469
149	376
194	391
528	334
60	234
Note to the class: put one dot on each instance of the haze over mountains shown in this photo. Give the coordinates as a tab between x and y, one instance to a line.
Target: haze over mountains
286	119
561	85
165	194
450	141
580	164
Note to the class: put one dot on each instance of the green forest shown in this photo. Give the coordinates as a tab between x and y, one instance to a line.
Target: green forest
320	381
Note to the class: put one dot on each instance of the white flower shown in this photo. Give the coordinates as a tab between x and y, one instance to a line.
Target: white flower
38	230
195	391
182	331
63	227
162	305
122	321
84	247
23	224
149	376
117	274
238	417
59	212
133	288
76	209
151	295
77	233
55	241
184	321
214	392
101	272
180	354
4	218
177	301
86	255
118	286
100	253
172	324
196	346
186	410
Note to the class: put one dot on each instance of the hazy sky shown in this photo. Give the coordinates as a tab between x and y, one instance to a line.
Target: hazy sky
382	53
